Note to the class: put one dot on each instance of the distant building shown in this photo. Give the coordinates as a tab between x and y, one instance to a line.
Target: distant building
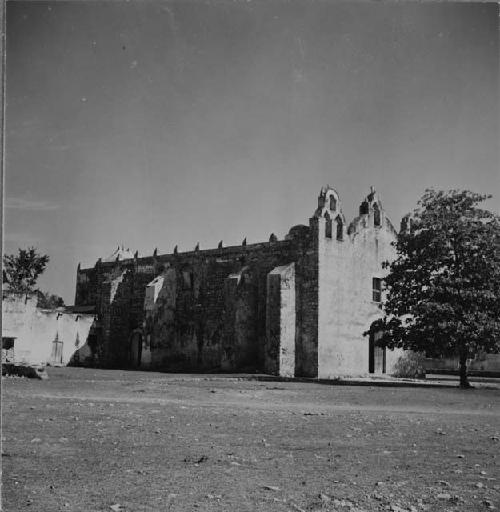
292	307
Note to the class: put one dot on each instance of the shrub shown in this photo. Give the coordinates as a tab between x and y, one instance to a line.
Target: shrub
410	365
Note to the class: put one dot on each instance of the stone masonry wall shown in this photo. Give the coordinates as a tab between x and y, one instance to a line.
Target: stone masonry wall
211	310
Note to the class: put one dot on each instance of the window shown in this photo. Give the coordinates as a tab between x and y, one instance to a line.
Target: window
363	209
377	289
333	203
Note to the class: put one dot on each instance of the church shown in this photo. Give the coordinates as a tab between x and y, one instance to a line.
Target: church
296	307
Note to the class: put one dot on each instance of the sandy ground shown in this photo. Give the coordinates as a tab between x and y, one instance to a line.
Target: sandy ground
89	440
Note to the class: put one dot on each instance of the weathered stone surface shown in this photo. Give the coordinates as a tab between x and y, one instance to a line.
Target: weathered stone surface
281	321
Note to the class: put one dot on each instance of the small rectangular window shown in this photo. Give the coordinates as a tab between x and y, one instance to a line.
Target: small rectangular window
377	289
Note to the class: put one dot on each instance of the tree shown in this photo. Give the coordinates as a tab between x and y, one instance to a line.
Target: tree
22	271
443	288
49	301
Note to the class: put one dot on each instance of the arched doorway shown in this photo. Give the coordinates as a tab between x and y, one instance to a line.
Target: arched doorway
135	348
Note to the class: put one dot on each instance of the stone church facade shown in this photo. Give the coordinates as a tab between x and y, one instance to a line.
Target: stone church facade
292	307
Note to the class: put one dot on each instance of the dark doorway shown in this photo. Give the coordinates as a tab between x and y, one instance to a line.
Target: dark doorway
136	349
376	356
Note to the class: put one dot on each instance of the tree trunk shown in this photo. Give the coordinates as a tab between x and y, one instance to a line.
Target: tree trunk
464	381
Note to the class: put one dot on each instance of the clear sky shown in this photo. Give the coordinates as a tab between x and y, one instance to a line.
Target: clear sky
156	124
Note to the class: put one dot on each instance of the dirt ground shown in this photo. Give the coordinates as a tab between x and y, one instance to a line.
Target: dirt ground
97	440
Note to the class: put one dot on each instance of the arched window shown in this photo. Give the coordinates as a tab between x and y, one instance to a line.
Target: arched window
328	226
333	203
363	209
340	228
376	215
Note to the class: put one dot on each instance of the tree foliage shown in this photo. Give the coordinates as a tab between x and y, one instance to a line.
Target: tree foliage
22	271
49	301
443	288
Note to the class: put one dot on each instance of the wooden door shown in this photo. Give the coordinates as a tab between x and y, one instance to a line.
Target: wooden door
377	356
57	351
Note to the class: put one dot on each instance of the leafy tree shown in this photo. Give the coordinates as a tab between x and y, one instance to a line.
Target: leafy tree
49	301
443	289
21	271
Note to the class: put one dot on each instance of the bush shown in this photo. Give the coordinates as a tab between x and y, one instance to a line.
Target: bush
410	365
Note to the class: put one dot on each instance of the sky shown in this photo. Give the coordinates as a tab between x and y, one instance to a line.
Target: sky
158	123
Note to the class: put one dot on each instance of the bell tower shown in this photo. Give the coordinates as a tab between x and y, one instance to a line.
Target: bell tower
328	219
371	208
